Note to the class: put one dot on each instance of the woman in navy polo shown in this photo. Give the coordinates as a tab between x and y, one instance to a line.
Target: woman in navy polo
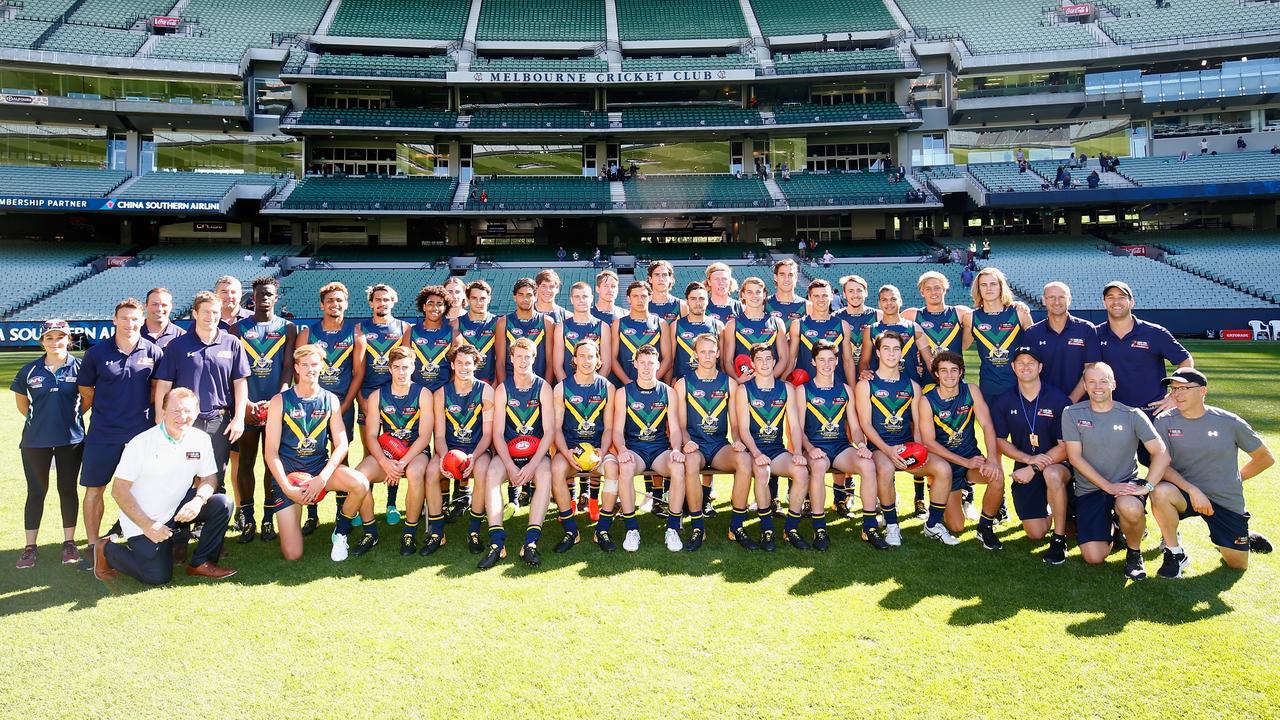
47	395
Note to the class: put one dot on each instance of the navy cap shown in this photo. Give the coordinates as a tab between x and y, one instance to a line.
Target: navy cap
1120	285
1186	376
1027	350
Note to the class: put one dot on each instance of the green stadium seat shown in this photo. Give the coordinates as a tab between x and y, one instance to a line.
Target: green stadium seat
676	192
689	116
431	66
379	117
843	188
537	117
680	19
411	19
546	21
539	193
806	113
783	17
736	61
414	192
809	61
60	182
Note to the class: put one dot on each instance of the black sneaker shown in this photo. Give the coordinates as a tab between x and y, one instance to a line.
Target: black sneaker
875	538
743	539
660	511
767	543
1057	552
821	540
709	510
1259	543
248	531
457	508
566	543
1002	515
529	552
1173	565
988	538
473	543
605	542
797	542
922	509
367	542
491	558
309	526
268	531
1134	567
696	538
1117	540
408	545
434	542
237	521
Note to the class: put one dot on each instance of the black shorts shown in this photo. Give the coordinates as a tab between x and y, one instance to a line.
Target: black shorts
960	476
99	464
1227	529
1030	501
1095	515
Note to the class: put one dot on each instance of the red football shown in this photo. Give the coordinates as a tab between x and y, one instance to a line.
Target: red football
798	377
914	454
522	447
392	446
455	464
298	478
256	416
744	365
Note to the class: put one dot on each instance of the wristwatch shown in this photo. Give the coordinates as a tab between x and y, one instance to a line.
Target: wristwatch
1149	486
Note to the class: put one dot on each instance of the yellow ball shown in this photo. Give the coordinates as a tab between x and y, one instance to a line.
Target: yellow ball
587	456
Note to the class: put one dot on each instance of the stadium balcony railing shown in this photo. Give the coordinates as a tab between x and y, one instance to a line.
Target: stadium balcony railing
432	66
534	118
517	64
409	193
710	62
690	117
675	192
409	118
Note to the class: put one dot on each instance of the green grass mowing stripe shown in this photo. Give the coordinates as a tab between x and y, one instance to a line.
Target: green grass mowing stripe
948	631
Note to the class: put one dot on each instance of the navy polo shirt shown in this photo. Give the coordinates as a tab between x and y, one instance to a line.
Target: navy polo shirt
121	389
1016	417
208	369
54	418
165	337
1138	360
1064	354
241	313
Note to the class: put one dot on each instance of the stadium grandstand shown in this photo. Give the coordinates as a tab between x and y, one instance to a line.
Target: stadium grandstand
145	142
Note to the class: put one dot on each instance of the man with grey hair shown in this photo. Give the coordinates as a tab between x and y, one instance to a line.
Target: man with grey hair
1065	342
1103	437
229	291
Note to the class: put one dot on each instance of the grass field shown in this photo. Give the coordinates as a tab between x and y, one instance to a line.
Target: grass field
925	630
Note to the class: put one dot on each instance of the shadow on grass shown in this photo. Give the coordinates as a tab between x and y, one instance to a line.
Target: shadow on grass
998	585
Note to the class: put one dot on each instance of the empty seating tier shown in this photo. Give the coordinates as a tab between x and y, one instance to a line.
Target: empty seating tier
843	188
545	21
537	117
59	182
413	19
379	117
192	185
538	193
680	19
783	17
660	192
431	66
834	61
802	113
537	64
372	193
684	116
227	28
708	62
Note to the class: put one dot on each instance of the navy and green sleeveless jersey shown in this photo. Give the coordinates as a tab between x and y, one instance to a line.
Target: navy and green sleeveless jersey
524	409
686	332
575	332
430	353
826	416
996	335
535	329
379	338
607	316
943	329
264	343
584	409
910	364
766	416
953	419
724	312
707	411
856	323
668	311
634	334
645	426
557	313
401	415
787	311
304	431
480	335
891	409
338	348
463	417
747	332
811	331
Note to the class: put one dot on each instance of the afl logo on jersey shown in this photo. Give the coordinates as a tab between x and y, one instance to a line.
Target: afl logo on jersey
811	333
513	402
468	333
637	406
945	414
575	399
757	403
629	331
818	402
250	334
296	413
984	327
881	393
699	394
454	409
927	325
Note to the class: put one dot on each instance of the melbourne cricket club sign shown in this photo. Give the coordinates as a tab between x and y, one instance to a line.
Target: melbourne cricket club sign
602	77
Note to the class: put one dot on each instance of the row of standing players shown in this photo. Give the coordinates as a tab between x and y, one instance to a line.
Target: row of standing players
849	412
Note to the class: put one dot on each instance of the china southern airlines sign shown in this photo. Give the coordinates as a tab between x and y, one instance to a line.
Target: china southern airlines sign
629	77
107	204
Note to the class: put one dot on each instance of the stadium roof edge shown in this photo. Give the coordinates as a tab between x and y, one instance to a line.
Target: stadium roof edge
1111	55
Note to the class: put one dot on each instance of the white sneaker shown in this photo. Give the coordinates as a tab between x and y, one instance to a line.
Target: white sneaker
674	543
646	506
971	513
631	542
893	535
940	533
339	552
